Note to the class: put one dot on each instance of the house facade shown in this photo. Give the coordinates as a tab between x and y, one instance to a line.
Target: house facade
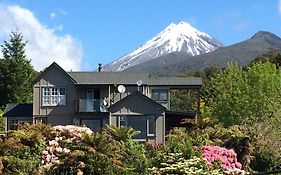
97	99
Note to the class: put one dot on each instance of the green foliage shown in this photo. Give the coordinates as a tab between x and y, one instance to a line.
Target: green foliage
135	158
97	154
21	152
267	152
121	134
16	72
245	97
234	137
184	100
179	142
176	164
272	56
2	122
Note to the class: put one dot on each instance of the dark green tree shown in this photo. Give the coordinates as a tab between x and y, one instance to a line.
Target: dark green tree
16	72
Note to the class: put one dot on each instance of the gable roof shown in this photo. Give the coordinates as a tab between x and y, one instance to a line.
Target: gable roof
129	78
126	78
18	110
53	65
136	93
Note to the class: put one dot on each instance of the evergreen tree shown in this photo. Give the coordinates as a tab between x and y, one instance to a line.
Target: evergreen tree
16	72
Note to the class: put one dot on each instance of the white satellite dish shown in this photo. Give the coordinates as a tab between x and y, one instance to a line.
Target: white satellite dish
139	82
121	88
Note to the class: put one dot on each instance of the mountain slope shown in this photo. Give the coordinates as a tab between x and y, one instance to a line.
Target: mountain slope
242	53
181	37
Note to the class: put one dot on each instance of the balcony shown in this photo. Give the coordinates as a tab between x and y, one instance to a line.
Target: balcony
90	105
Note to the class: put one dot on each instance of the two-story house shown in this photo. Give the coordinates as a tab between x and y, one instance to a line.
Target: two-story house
96	99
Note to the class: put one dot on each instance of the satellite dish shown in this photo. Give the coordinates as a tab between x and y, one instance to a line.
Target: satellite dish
121	88
139	82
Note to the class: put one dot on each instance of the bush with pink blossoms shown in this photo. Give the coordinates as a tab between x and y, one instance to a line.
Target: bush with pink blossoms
227	159
57	143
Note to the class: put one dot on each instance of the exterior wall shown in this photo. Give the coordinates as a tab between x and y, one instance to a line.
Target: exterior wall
81	90
160	129
19	120
138	106
115	96
55	114
165	104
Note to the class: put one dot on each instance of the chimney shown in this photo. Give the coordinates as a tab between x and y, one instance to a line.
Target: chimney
100	67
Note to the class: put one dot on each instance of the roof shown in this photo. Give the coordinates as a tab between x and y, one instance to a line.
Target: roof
109	77
18	110
181	114
137	93
126	78
54	64
130	78
180	81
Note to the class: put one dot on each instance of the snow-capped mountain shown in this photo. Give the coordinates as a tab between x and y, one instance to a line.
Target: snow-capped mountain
181	37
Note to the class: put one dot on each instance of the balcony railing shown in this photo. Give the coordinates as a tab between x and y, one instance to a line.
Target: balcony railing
90	105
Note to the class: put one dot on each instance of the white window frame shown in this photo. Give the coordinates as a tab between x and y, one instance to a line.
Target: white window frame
148	123
53	96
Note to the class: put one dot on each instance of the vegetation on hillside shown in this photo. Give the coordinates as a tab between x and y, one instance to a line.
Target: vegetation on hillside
16	72
247	97
74	150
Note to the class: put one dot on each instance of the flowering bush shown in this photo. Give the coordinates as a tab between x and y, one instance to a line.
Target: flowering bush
56	144
227	159
176	164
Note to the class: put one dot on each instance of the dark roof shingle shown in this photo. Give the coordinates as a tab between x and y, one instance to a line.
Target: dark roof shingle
18	110
130	78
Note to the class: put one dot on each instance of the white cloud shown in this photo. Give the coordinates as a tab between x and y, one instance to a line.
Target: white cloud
58	13
44	45
279	7
53	15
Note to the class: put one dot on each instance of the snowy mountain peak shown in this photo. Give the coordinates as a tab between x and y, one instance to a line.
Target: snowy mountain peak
181	37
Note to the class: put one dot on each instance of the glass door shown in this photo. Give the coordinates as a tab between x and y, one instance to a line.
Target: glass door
89	100
97	100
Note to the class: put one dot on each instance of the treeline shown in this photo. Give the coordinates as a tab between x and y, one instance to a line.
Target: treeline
248	97
16	74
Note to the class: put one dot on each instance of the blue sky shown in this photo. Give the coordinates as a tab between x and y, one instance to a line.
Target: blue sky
80	34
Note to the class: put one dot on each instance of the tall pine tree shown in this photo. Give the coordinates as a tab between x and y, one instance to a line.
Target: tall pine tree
16	72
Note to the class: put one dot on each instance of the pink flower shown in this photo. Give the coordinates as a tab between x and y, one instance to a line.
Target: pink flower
238	165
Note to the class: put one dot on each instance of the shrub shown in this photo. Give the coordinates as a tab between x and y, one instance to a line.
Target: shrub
178	141
226	158
176	164
20	152
76	149
135	158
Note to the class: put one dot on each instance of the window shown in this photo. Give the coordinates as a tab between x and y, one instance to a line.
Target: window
41	120
151	125
13	124
93	124
53	96
160	94
144	124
